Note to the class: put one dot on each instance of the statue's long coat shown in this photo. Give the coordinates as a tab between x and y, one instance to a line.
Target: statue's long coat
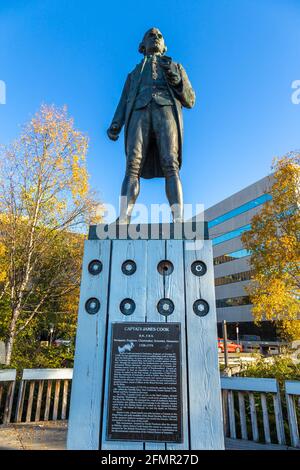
182	95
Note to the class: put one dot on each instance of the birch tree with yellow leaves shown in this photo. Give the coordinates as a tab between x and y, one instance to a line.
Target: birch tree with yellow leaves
274	242
44	195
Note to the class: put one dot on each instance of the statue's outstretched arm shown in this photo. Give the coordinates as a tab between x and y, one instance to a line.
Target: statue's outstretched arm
119	116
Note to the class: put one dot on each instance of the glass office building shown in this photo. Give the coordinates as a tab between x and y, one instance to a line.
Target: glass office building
227	221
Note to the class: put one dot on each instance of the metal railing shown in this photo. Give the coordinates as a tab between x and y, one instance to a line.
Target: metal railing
252	407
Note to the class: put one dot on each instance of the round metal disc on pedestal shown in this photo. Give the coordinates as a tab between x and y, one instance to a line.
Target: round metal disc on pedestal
165	307
198	268
165	267
128	267
95	267
92	306
201	307
127	306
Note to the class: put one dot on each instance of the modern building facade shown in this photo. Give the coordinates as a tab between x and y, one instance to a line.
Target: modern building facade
227	221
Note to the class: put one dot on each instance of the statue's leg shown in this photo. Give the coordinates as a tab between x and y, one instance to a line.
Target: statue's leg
175	196
129	192
137	141
166	133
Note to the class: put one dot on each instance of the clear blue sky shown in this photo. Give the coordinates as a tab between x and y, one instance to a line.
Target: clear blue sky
241	57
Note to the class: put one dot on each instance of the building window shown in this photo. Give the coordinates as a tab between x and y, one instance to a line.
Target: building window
239	210
230	278
229	235
233	301
232	256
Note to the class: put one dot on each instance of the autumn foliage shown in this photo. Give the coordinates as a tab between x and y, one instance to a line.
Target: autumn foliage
45	206
274	241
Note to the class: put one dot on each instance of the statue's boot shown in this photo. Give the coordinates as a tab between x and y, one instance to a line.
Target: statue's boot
122	220
175	197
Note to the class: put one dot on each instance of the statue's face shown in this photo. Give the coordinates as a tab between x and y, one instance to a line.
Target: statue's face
154	42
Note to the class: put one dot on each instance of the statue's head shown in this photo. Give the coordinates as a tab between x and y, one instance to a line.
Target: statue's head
153	42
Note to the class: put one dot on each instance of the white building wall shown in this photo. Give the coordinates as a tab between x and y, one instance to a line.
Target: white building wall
239	313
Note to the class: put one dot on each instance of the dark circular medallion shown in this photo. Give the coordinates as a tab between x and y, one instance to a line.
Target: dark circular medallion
95	267
198	268
92	305
165	267
165	307
201	307
127	306
128	267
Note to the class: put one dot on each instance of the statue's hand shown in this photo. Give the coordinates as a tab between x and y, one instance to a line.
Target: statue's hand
172	73
113	132
173	78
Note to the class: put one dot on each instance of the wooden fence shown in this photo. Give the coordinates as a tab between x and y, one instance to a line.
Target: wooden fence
292	394
252	407
41	394
248	401
7	389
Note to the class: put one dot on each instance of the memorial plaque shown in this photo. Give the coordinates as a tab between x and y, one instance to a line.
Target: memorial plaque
145	383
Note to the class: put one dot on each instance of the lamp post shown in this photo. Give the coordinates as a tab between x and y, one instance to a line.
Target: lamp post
51	333
225	344
237	333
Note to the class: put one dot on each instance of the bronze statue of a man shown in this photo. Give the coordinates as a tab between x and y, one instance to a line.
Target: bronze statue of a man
151	109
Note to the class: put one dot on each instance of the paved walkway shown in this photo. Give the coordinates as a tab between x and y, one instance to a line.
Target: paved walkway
51	435
34	436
